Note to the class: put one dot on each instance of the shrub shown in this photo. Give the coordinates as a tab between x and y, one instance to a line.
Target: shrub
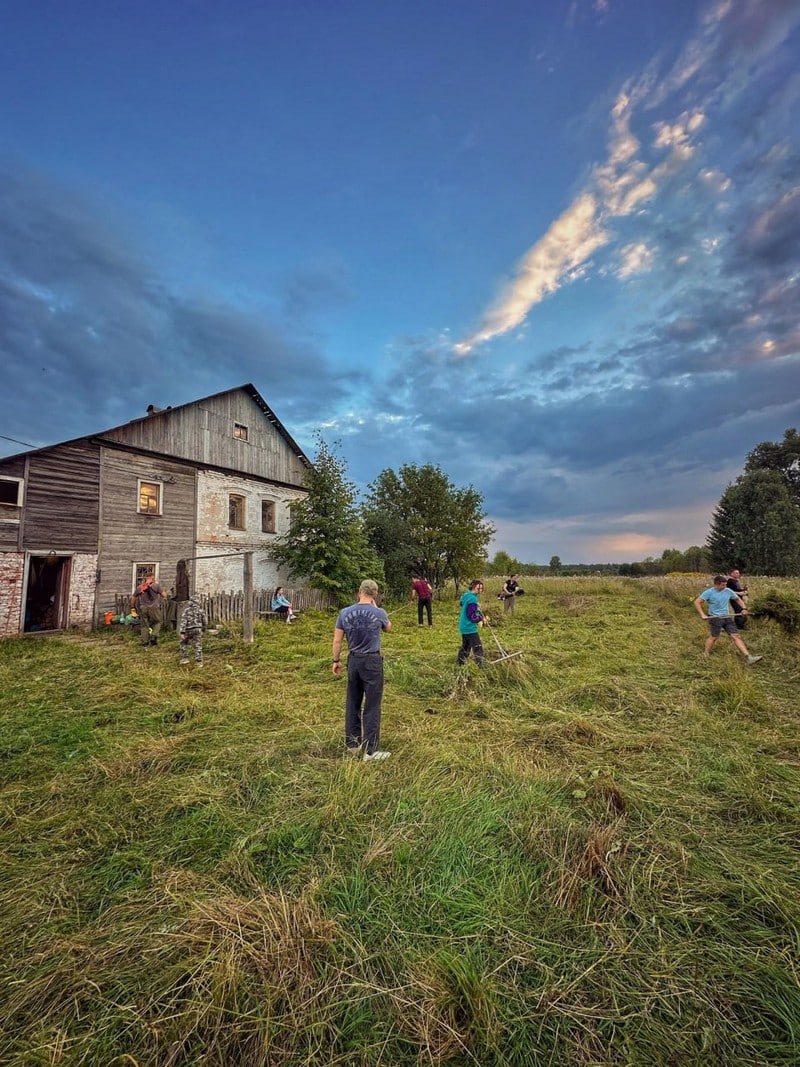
782	607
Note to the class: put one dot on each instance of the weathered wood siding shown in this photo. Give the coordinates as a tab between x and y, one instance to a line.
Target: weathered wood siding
10	525
127	537
10	535
203	433
62	499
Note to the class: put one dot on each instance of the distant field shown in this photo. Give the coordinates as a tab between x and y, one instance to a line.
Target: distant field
586	855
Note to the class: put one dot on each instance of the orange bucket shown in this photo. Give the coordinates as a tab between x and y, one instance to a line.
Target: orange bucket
109	615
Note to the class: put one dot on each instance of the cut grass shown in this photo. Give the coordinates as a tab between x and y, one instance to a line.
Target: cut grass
585	855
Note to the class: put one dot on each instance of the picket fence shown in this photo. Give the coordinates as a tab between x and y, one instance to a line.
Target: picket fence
229	607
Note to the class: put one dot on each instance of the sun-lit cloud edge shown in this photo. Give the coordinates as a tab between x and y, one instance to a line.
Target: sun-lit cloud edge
620	186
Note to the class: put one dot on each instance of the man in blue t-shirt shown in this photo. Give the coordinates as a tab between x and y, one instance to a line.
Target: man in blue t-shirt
717	601
362	624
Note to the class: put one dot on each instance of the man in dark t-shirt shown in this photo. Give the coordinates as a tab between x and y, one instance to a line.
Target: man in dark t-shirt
734	583
362	624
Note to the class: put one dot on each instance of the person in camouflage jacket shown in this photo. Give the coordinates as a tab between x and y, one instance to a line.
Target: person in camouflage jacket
192	623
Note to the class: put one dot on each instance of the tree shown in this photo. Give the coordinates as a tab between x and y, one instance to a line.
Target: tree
505	564
443	527
672	559
781	456
555	565
756	525
696	559
389	537
326	542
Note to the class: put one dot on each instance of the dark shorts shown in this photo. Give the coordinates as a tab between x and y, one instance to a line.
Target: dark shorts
716	626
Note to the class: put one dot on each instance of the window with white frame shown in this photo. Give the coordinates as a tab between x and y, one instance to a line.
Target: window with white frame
240	431
150	494
141	571
268	516
10	494
236	512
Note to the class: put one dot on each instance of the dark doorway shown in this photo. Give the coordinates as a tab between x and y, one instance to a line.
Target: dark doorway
46	601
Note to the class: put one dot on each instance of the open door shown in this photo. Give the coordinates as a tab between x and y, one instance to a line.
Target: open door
47	595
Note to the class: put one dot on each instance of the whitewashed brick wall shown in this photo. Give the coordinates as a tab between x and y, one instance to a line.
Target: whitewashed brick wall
12	568
82	587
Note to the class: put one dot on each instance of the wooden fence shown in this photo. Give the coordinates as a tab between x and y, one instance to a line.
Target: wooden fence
228	607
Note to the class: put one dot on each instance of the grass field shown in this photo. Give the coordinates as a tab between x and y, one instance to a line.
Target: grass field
588	854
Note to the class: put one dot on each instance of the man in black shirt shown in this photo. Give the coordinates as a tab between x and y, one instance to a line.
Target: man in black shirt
735	584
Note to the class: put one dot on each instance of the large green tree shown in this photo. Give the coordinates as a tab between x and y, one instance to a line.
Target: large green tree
756	525
327	543
781	456
442	529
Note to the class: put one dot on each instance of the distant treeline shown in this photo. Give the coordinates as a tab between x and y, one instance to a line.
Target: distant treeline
694	560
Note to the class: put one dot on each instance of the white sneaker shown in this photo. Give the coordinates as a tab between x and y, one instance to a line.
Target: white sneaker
753	659
376	755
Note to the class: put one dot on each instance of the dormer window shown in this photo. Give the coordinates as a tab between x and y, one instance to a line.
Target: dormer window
239	431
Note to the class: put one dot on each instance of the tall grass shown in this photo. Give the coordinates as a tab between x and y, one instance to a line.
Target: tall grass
583	855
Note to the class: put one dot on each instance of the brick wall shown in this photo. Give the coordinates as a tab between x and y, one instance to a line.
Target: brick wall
12	566
82	587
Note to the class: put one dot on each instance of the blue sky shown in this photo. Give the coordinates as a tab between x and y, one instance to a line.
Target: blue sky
553	248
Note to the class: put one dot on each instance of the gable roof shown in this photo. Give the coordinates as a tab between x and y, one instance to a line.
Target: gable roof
154	413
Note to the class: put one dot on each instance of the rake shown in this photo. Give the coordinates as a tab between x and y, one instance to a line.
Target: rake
504	655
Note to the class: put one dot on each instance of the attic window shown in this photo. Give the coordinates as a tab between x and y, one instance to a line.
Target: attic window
239	431
10	491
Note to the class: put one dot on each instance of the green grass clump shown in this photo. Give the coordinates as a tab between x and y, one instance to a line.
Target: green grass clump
781	606
586	854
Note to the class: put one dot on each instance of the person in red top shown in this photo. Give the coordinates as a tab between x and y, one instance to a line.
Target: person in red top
424	595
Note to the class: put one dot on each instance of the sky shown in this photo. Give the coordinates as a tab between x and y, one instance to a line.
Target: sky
552	248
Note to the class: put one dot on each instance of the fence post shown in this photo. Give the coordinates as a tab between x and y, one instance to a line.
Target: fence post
247	606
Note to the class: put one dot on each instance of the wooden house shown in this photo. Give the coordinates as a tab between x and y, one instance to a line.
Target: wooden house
83	521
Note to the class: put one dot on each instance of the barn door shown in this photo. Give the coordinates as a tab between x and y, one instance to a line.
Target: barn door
62	593
47	598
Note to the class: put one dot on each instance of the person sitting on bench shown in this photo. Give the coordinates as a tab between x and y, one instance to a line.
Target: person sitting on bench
281	606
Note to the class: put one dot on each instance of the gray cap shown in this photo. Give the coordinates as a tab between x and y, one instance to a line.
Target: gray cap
368	588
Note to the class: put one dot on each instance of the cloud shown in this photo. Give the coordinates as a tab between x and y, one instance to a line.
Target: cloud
316	287
634	259
84	315
625	184
566	246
